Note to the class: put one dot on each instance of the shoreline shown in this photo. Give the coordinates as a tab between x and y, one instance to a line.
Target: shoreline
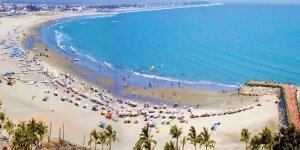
115	84
19	105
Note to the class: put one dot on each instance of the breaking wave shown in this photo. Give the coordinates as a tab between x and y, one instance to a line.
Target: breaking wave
182	81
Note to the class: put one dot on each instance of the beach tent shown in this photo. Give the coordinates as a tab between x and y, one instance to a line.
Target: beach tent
72	100
46	98
9	74
85	106
47	91
77	103
127	120
214	127
64	98
102	124
108	115
2	42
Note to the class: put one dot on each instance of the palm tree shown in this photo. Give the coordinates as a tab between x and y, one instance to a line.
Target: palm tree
102	139
206	141
2	117
32	129
176	132
35	132
287	138
170	146
183	142
146	140
94	137
245	136
27	135
267	138
193	137
9	126
1	103
42	130
137	146
111	135
20	140
255	143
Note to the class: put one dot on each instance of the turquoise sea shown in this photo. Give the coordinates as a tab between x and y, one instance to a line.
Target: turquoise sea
224	44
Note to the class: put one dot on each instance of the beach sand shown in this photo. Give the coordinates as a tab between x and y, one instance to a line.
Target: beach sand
206	99
18	103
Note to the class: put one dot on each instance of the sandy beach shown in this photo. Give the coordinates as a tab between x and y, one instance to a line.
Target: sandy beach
24	101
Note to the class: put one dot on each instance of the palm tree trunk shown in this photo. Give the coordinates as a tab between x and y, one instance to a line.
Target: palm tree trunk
246	146
95	146
102	146
206	147
109	145
195	145
177	144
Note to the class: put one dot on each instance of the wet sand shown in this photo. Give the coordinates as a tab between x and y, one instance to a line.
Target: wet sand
205	99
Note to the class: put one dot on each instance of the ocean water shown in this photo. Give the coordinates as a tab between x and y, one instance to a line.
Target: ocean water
224	44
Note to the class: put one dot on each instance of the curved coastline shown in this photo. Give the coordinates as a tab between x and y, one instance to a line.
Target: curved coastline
115	84
133	79
56	112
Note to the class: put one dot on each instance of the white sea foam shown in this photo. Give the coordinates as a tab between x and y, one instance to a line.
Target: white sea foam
102	16
114	21
58	22
182	81
109	65
74	50
91	58
83	23
59	38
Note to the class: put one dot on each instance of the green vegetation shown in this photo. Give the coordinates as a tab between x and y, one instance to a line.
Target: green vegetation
203	139
106	137
146	140
28	135
193	137
286	139
245	136
176	132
